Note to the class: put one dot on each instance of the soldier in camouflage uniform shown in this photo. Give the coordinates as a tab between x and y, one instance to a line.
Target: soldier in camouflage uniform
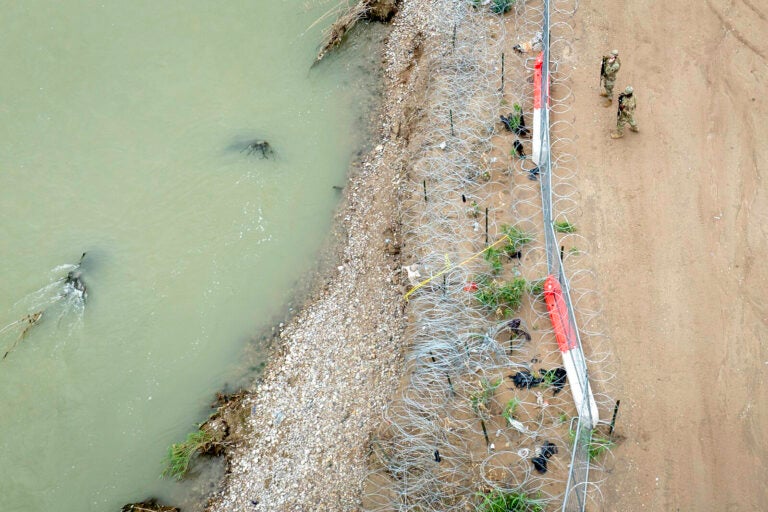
626	113
608	71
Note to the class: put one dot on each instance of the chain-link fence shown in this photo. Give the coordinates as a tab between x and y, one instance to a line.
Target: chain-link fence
575	498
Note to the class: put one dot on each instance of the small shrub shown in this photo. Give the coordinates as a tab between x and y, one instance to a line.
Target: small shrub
493	257
563	226
505	298
501	6
511	294
514	124
549	377
536	287
517	238
481	398
486	294
509	409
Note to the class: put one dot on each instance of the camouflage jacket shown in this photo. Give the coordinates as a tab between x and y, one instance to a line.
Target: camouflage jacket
627	104
611	68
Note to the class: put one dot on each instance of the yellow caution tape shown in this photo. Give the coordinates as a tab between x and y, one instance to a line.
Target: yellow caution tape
448	266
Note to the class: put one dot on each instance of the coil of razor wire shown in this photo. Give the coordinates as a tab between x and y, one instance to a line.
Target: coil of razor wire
462	433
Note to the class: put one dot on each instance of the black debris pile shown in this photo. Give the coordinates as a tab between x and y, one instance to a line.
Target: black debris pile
540	461
556	377
515	122
548	449
515	328
525	380
540	464
508	122
518	147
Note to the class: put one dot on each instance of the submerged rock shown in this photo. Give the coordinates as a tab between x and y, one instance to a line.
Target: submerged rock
149	505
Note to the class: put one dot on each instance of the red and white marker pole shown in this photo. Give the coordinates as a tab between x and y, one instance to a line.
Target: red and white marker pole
537	106
573	356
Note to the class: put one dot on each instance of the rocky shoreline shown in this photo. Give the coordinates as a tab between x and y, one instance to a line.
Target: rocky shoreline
305	428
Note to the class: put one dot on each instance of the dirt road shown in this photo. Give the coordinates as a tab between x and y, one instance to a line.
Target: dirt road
678	215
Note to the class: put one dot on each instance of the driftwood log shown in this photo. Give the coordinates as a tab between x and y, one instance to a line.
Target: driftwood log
374	10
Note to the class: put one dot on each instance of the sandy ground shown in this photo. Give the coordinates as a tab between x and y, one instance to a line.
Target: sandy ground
677	215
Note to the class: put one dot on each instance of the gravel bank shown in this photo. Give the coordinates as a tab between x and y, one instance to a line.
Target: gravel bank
341	358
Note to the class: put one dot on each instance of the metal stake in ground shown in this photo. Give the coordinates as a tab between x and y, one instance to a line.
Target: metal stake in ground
613	420
448	377
485	432
425	191
486	226
450	114
502	72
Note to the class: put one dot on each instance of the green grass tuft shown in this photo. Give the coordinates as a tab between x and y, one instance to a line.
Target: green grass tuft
482	397
536	287
180	454
499	501
509	409
597	444
563	226
549	377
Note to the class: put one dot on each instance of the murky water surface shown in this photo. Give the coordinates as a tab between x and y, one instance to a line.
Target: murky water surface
121	137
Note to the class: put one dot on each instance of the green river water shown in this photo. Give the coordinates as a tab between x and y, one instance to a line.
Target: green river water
122	125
